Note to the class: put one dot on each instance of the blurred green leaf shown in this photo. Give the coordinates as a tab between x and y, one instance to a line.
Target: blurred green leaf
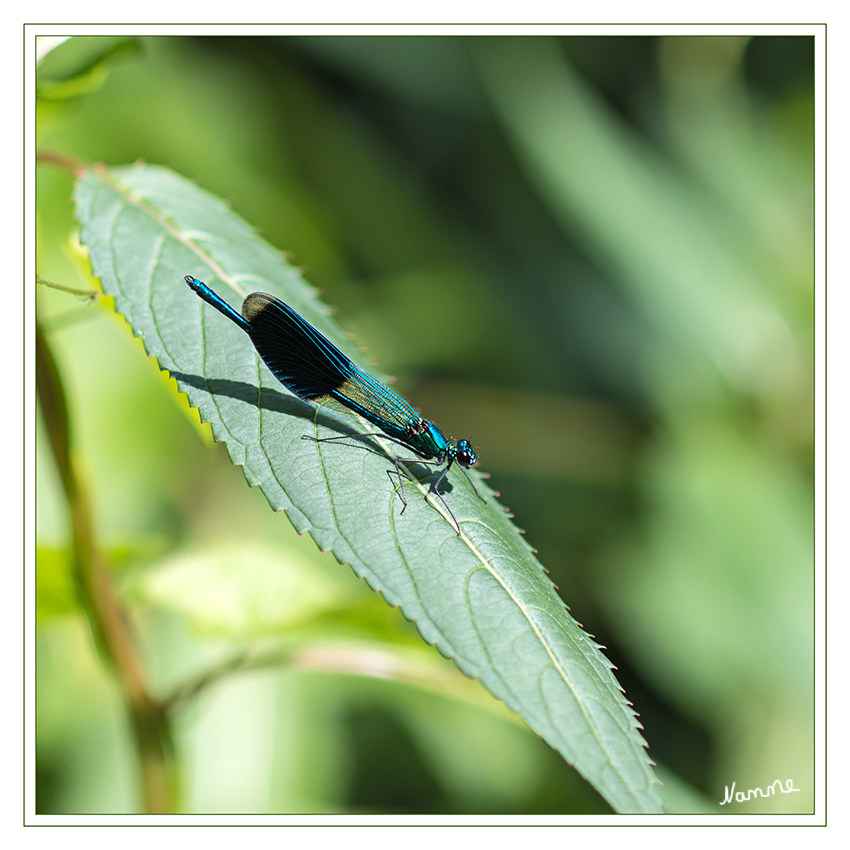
660	233
81	65
55	591
240	589
480	597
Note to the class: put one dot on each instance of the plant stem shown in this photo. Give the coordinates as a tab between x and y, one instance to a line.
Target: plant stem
108	621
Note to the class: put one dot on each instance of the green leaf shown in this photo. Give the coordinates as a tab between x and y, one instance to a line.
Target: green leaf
239	589
479	596
81	65
56	594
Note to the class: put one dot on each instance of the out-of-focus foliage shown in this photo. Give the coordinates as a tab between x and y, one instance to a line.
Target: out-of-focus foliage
594	256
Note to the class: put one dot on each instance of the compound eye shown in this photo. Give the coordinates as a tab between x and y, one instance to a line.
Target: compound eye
465	453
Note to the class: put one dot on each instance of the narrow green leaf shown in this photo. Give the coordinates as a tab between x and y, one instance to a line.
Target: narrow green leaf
480	597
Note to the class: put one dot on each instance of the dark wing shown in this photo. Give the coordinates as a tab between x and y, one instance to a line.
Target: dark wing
302	359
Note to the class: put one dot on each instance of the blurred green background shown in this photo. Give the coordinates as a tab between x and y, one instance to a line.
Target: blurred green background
594	258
